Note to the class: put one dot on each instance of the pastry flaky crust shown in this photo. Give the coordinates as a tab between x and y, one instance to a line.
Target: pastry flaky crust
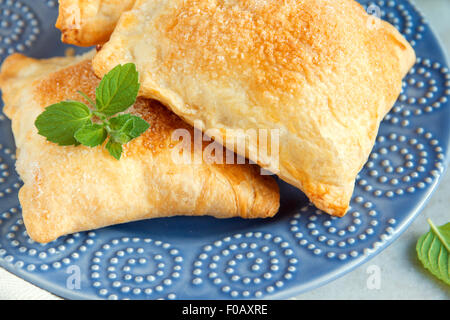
89	22
70	189
322	72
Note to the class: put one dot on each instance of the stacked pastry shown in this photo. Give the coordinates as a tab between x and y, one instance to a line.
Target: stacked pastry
321	73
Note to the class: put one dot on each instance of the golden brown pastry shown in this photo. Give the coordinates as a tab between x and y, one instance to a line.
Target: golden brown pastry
322	72
89	22
70	189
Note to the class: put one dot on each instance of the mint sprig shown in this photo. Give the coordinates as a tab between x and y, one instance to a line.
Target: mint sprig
70	122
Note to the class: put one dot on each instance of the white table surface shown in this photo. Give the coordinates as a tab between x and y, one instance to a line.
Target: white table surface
401	275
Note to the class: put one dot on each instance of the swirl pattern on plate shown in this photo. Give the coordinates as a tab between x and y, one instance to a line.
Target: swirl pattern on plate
19	250
361	231
425	89
19	27
142	268
401	164
246	265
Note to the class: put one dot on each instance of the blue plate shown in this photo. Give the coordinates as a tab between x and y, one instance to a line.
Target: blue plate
205	258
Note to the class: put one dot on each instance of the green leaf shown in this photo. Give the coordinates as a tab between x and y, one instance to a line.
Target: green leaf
114	148
119	121
139	127
433	250
59	122
127	127
85	96
70	122
118	89
91	135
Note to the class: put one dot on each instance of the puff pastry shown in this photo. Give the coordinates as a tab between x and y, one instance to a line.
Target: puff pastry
70	189
89	22
322	72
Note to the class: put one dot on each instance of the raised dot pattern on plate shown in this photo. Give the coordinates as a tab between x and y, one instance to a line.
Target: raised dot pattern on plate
135	267
19	27
425	89
18	249
9	181
401	164
360	232
246	265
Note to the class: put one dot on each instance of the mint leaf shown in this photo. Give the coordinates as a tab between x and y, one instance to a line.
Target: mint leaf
117	123
84	95
433	250
59	122
127	127
118	89
91	135
139	127
70	122
120	137
114	148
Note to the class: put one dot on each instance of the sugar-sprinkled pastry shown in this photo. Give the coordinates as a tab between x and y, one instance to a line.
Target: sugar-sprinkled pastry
75	188
323	73
89	22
